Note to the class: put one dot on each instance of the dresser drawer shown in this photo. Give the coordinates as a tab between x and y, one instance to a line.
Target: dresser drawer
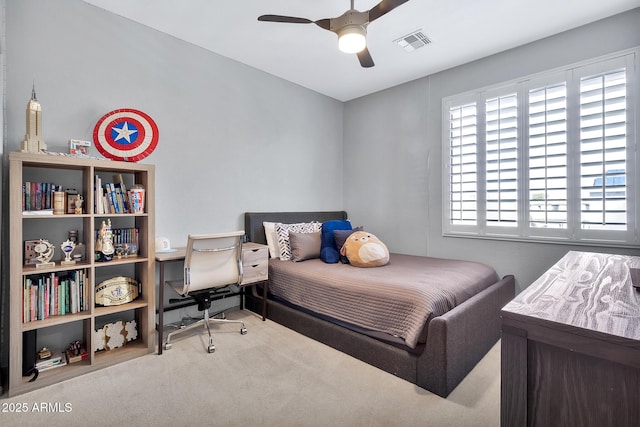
252	256
255	273
255	263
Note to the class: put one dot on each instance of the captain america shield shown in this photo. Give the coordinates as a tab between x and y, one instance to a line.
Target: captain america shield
126	134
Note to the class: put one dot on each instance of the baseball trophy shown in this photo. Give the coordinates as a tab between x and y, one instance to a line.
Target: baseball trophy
67	249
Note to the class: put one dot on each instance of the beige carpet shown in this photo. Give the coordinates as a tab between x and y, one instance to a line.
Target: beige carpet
270	377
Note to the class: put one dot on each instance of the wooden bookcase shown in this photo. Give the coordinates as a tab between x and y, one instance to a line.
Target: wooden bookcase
78	173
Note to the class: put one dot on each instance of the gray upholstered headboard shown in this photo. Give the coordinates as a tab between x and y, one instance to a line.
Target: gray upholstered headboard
254	229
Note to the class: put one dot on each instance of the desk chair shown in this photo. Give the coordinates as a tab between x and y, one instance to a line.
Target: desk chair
212	262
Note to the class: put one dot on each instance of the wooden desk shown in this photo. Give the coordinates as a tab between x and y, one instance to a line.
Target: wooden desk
571	346
253	257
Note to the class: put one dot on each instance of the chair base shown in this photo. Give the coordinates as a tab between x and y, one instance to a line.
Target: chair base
204	321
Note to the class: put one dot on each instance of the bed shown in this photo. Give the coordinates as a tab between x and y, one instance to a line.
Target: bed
436	346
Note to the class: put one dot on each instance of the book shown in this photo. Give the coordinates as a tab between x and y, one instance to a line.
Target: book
61	363
121	188
38	213
38	197
56	360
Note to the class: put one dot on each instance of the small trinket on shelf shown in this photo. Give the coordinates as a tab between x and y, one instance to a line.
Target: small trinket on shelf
67	248
78	204
104	244
44	251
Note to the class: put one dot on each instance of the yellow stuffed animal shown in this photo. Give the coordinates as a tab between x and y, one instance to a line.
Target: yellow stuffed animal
363	249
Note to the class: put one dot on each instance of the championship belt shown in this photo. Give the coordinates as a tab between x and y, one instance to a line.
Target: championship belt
116	291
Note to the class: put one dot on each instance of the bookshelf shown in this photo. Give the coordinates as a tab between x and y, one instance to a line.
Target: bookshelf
56	329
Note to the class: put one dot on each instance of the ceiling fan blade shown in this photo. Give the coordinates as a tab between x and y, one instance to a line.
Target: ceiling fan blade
385	6
324	23
365	58
287	19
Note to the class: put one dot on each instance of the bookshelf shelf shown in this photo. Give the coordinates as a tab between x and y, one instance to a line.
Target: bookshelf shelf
80	174
56	320
29	270
115	261
104	311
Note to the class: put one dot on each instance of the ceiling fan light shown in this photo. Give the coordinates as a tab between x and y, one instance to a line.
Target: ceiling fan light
352	39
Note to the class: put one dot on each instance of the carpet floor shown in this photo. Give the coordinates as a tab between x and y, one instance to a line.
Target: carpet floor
271	376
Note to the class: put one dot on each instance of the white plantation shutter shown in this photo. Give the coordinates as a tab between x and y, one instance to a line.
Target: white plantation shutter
501	115
547	161
463	178
603	148
550	158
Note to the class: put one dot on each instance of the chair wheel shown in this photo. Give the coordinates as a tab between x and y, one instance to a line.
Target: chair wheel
167	346
211	348
243	331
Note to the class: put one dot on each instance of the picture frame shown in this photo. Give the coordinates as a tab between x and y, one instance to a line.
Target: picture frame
29	252
78	147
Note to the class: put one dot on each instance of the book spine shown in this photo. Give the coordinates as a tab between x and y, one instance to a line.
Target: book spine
38	196
67	298
59	297
87	289
110	198
26	289
116	201
45	185
62	297
50	187
40	307
45	297
117	178
32	301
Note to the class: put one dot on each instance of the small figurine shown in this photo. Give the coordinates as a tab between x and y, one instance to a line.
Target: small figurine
33	142
74	348
45	353
79	201
104	244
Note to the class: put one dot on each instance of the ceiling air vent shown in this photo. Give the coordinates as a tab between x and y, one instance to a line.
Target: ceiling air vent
413	41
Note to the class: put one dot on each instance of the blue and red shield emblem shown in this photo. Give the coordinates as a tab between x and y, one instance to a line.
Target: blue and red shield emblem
126	134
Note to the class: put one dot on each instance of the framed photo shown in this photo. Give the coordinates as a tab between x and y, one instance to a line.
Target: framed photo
78	147
29	252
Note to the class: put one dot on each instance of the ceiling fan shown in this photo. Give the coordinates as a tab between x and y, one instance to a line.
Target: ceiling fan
351	27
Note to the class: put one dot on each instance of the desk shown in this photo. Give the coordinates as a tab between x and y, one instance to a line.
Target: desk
255	258
571	346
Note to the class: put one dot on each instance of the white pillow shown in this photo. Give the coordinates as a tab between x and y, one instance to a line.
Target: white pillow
272	238
282	231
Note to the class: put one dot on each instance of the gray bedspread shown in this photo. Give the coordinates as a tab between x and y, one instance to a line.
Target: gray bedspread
397	299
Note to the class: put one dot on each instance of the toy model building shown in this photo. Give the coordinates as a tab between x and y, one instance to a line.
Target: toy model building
33	142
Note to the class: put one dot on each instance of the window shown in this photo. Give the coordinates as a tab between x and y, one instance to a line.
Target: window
551	157
464	176
501	147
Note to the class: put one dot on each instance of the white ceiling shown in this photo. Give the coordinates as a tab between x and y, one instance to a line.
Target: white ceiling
460	31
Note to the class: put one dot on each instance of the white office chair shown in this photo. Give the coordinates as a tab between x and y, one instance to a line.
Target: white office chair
212	262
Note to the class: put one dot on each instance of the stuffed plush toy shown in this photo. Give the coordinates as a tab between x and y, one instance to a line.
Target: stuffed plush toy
365	250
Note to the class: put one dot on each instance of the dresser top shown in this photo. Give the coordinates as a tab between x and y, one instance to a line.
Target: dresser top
584	290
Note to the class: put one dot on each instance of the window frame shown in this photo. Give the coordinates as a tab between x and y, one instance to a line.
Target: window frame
572	233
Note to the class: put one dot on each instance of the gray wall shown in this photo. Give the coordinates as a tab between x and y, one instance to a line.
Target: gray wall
232	138
393	150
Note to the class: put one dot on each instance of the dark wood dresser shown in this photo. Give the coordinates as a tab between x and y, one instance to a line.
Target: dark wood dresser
571	346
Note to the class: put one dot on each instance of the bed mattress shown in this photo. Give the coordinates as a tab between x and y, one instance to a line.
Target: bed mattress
398	299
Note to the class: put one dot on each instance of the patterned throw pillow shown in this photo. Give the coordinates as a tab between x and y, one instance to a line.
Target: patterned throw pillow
282	230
